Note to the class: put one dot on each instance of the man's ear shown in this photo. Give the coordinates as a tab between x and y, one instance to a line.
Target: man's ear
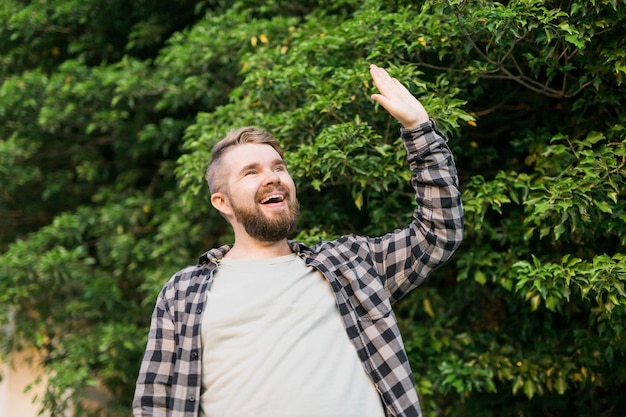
221	203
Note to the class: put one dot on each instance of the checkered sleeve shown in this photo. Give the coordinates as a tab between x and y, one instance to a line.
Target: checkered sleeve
153	388
406	257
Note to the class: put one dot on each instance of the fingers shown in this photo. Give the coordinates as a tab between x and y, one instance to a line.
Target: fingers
389	87
383	81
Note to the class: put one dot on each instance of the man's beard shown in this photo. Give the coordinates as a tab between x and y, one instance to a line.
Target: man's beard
266	229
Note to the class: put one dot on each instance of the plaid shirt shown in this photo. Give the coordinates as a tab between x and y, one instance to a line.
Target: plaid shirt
367	276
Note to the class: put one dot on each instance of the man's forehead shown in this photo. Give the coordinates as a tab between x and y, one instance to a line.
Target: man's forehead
250	153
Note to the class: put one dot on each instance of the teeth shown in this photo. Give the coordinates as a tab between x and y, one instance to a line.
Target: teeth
272	197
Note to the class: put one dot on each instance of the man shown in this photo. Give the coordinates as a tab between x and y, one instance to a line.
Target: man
270	327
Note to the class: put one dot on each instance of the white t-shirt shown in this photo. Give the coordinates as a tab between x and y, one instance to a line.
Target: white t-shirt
274	346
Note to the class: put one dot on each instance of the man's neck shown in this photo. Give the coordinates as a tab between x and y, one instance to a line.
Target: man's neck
254	249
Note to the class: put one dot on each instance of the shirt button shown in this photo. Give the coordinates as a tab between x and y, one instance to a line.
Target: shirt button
194	354
199	310
192	399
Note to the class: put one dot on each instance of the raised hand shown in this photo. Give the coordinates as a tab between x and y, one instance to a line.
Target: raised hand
396	99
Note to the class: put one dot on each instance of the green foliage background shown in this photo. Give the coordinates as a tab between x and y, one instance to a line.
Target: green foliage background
108	110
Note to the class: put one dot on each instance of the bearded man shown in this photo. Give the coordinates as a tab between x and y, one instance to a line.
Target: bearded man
268	327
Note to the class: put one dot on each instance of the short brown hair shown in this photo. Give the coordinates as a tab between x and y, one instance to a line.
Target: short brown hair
246	134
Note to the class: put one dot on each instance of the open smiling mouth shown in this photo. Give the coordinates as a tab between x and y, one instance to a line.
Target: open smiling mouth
273	199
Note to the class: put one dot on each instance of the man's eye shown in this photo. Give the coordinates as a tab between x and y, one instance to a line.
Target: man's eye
251	172
280	169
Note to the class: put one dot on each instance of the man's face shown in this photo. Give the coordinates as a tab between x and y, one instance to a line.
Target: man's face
260	192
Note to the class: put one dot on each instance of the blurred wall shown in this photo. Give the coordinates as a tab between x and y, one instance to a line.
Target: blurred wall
16	377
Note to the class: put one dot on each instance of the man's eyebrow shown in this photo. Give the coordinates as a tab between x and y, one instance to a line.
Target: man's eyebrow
249	166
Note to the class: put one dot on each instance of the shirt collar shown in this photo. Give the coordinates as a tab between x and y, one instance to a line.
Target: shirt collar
214	256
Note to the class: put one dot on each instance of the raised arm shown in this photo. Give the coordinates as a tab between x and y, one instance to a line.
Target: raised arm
407	256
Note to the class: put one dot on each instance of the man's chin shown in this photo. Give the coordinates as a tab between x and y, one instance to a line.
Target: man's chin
269	235
271	230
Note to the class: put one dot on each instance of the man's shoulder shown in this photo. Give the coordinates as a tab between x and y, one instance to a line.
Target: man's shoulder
191	271
336	248
184	279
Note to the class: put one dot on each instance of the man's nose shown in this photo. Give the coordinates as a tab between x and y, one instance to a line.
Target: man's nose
272	177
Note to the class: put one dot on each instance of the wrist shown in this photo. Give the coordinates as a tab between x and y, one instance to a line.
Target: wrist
418	125
415	123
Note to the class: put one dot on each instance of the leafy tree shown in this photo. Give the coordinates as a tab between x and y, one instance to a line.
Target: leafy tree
109	109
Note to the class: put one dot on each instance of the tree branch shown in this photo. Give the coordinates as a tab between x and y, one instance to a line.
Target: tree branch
520	77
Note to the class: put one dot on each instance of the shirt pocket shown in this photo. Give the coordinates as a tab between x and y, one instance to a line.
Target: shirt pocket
373	308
